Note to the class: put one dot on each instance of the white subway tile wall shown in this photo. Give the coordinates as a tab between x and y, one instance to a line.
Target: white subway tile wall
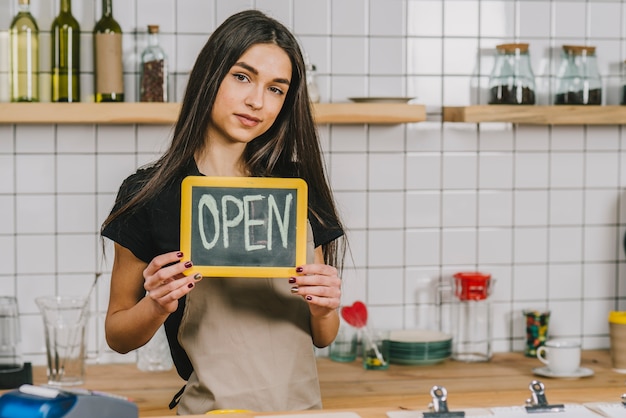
541	208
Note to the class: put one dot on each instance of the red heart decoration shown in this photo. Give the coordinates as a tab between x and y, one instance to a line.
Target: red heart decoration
355	315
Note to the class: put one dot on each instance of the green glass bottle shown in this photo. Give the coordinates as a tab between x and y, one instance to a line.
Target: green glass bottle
108	68
65	52
24	55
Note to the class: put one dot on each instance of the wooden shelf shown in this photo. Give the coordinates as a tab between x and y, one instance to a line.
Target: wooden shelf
166	113
537	115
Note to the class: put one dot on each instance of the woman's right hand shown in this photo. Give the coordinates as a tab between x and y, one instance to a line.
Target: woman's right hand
165	281
134	316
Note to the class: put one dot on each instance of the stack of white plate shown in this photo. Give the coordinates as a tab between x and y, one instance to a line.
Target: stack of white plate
419	347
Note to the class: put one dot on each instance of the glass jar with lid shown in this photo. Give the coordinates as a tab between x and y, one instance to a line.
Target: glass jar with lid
512	80
578	80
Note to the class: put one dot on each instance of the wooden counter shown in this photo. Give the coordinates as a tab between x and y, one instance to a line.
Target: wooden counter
503	381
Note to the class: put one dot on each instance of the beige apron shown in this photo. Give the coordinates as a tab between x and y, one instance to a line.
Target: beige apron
249	341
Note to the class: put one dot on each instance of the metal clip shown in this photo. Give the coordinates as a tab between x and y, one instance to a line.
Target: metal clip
539	403
439	405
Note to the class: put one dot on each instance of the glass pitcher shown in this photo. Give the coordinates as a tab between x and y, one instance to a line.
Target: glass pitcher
10	335
470	316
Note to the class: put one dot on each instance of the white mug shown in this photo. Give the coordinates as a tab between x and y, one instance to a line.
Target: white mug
563	357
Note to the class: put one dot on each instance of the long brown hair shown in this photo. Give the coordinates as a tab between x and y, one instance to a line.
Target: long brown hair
290	147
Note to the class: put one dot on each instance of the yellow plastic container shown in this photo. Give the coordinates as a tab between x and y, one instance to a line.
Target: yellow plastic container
617	334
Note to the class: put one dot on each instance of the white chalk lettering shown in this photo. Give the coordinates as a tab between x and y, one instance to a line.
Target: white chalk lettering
209	202
230	223
251	223
283	224
240	213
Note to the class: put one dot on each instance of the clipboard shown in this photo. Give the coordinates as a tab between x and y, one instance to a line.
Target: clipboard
538	407
609	409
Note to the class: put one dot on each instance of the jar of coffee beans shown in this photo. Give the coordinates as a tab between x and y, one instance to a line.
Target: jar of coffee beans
153	84
578	81
512	80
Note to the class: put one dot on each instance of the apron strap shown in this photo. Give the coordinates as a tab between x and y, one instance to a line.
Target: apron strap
176	399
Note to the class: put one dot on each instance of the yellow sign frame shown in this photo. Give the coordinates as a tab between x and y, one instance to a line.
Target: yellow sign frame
301	208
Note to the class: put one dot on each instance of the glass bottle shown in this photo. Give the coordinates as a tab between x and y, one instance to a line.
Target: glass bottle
108	68
512	80
311	80
65	53
24	55
578	81
153	84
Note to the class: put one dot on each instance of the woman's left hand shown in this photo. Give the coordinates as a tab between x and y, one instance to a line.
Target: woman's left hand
320	285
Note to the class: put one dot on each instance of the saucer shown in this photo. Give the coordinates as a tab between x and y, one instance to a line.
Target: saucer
546	372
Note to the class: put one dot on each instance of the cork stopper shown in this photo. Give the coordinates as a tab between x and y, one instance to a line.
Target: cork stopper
579	49
153	28
24	2
512	48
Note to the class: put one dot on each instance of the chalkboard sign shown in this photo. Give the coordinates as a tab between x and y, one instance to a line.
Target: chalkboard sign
244	226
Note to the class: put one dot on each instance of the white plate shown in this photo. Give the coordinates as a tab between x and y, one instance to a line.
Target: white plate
545	372
380	99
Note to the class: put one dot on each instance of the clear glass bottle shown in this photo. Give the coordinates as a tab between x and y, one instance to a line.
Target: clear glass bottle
153	85
311	80
311	84
65	53
512	80
578	81
108	68
24	55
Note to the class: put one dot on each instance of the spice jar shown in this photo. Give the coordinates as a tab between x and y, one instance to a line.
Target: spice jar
153	85
512	80
578	81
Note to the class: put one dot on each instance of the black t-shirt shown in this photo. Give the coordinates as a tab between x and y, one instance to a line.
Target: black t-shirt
154	229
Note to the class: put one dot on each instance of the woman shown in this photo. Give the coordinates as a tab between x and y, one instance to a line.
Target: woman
240	343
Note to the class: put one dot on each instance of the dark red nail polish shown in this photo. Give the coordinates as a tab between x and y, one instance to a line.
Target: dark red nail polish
179	254
190	285
299	269
309	297
188	264
292	280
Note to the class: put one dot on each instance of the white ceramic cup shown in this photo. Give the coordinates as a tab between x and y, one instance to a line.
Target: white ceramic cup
561	356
